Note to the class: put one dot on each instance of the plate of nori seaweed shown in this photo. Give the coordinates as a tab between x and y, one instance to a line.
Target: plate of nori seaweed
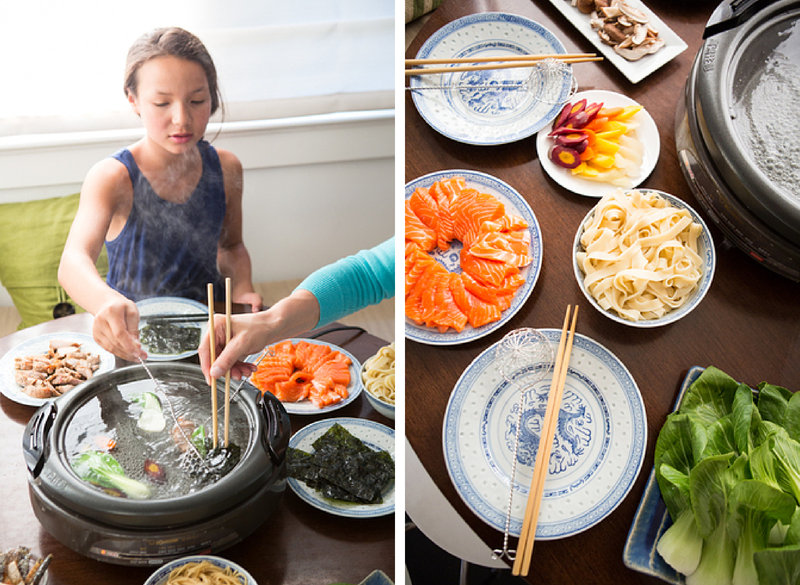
344	466
170	340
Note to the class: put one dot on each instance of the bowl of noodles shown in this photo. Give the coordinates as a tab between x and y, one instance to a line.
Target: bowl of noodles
643	257
200	570
377	375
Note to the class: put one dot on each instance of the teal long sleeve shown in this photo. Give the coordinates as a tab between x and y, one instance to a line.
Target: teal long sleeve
353	282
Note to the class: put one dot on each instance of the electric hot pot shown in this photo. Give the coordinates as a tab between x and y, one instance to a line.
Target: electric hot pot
737	129
130	531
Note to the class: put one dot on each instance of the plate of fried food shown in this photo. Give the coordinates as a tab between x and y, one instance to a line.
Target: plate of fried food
43	368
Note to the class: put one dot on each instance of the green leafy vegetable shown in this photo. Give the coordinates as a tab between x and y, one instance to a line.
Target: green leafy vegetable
152	418
101	469
728	467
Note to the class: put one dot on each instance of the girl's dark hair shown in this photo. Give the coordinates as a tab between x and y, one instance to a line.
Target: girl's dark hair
175	42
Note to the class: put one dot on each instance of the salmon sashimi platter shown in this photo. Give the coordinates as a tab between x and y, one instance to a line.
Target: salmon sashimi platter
308	376
473	253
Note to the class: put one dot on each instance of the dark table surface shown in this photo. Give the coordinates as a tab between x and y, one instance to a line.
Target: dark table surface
298	544
748	325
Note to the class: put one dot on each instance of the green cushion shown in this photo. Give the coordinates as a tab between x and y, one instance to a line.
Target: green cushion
417	8
32	237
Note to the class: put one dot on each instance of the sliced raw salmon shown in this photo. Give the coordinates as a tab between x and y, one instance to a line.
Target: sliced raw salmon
471	209
303	370
486	271
418	232
495	246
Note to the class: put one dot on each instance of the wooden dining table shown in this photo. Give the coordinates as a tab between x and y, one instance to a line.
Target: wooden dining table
298	544
748	325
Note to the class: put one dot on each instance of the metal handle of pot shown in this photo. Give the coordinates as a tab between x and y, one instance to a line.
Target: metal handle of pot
276	437
34	440
731	14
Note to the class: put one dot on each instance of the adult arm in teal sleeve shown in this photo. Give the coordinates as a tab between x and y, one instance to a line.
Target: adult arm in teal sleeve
353	282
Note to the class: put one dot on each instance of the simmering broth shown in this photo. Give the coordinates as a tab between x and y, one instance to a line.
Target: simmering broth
108	422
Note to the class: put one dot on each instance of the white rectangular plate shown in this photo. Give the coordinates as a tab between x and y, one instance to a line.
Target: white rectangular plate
635	71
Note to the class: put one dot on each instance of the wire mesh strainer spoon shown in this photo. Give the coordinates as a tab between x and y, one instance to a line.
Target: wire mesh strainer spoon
520	348
545	78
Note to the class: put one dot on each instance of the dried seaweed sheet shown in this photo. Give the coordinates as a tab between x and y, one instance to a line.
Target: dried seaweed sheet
342	467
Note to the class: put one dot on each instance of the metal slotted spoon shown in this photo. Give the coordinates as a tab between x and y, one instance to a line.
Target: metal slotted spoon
519	348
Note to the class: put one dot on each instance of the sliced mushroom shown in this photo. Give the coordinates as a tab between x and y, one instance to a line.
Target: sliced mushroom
639	34
632	53
614	32
633	13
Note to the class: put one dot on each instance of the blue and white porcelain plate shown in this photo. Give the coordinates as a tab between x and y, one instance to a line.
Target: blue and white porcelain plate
491	106
515	204
597	452
374	435
171	306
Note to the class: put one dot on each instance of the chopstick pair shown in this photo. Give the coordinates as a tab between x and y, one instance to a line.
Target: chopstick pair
186	317
212	348
522	560
498	62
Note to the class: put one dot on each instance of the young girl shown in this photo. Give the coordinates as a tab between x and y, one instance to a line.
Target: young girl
169	207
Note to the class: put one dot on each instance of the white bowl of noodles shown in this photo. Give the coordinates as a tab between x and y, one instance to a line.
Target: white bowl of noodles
378	378
200	569
643	257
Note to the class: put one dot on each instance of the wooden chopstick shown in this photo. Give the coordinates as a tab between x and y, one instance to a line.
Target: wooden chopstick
528	533
212	350
510	65
496	58
228	372
188	317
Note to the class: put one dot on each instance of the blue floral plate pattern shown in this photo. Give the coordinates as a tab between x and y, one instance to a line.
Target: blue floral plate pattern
490	106
597	452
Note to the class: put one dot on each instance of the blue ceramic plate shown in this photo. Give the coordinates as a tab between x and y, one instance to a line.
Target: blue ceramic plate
40	345
597	453
160	575
308	407
489	107
171	306
514	204
375	436
652	519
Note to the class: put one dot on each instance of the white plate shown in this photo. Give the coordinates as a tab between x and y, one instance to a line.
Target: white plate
172	306
635	71
597	453
488	107
308	407
40	345
375	436
647	133
515	204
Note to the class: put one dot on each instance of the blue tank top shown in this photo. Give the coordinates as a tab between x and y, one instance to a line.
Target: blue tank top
165	248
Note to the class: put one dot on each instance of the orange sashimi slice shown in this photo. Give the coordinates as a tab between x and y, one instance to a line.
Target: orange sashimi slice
485	270
418	232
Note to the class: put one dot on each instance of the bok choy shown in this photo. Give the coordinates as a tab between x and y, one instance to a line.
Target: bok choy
727	464
103	470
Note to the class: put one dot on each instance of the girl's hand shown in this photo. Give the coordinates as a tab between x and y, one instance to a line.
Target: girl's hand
116	328
251	299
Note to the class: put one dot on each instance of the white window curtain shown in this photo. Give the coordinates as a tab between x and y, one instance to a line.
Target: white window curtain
62	63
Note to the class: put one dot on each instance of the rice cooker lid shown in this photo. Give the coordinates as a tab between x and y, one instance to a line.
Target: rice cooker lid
746	88
262	460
